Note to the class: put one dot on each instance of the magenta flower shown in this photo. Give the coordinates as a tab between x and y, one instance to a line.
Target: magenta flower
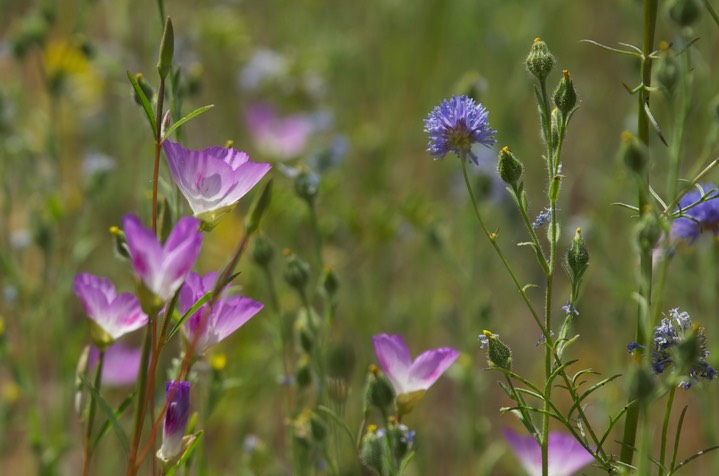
121	364
112	315
162	268
228	313
566	455
410	379
212	180
281	137
178	412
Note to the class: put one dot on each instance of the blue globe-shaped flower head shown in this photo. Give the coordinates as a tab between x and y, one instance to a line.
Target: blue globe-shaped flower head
457	124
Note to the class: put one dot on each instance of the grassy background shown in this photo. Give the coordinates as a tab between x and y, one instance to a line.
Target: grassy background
397	227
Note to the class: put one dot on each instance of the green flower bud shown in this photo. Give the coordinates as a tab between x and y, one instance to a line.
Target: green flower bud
146	88
649	230
666	69
297	273
262	250
684	12
379	392
577	256
565	96
341	361
329	282
167	49
498	354
540	60
554	130
554	188
318	428
372	450
508	167
633	153
307	184
258	209
303	374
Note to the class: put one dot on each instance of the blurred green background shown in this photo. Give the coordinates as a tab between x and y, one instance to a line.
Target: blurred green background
397	227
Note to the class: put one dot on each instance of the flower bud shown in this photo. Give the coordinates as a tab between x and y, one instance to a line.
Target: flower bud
167	49
303	374
146	88
577	256
649	231
341	361
121	249
554	130
297	273
498	354
372	450
318	428
565	96
329	282
258	209
508	167
684	12
633	153
379	393
402	439
262	250
176	417
540	61
666	69
307	185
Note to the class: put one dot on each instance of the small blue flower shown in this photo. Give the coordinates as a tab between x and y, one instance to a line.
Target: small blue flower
542	218
483	341
455	125
632	346
569	309
699	218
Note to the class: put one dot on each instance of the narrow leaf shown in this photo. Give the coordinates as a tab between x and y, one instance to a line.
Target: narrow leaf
120	410
326	411
614	50
145	102
655	124
191	115
110	413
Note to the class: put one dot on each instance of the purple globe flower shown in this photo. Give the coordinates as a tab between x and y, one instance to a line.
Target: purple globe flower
410	379
112	315
455	125
566	455
163	267
178	412
228	313
212	180
700	218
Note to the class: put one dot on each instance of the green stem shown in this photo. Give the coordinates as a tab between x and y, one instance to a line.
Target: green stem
91	415
665	428
158	151
632	415
141	390
318	233
493	240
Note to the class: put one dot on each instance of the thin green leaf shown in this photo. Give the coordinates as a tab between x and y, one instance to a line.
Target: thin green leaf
405	462
677	435
614	50
187	454
654	122
626	205
712	12
613	422
191	115
657	197
326	411
110	413
106	426
635	48
695	456
144	101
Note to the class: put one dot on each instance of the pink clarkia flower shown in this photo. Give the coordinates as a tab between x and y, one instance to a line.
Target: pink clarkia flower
566	455
228	314
112	315
410	379
212	180
280	137
163	267
176	417
121	364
